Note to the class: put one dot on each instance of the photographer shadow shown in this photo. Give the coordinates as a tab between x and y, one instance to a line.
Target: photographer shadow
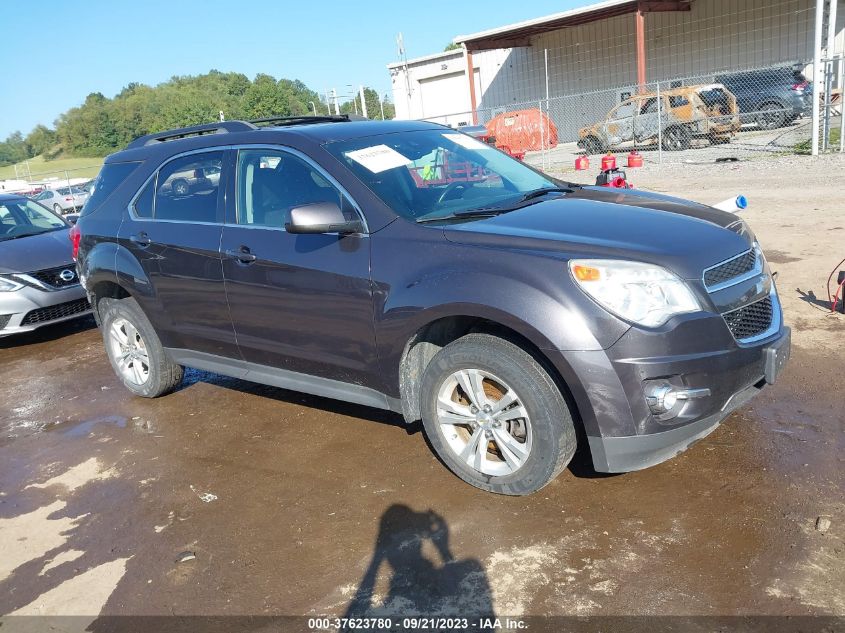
418	585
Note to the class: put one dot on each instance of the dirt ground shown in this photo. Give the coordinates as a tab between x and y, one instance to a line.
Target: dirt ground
231	498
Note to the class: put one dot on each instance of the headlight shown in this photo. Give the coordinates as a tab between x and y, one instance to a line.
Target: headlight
7	285
645	294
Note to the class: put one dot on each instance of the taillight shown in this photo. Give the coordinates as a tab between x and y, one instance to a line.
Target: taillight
68	199
75	237
799	87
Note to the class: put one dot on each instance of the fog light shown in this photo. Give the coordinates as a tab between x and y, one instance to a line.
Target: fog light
662	397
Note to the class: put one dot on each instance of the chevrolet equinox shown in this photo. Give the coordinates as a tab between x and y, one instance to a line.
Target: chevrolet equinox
407	266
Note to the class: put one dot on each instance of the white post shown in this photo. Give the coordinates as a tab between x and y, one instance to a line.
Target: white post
381	105
818	77
363	101
70	189
659	126
842	108
546	61
336	107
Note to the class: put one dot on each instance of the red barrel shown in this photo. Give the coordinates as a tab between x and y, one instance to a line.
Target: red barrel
608	161
582	163
635	159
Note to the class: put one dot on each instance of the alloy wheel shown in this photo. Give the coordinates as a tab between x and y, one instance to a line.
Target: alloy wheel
129	352
484	422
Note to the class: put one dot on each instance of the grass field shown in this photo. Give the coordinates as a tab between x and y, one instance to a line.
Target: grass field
41	169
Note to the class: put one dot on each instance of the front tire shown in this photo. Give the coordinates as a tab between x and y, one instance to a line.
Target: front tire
495	417
135	351
57	209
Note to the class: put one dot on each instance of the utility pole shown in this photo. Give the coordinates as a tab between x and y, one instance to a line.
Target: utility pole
381	105
363	101
818	77
336	108
400	42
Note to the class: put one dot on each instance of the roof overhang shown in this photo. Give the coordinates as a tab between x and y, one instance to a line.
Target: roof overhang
520	34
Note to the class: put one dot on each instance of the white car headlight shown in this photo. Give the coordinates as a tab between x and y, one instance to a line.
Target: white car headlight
643	293
7	285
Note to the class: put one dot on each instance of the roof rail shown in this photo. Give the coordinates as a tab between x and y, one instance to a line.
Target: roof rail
221	127
301	119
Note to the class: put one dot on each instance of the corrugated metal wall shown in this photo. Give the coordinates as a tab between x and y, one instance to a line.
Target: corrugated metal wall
715	35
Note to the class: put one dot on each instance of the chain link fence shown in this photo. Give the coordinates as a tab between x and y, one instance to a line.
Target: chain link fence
722	116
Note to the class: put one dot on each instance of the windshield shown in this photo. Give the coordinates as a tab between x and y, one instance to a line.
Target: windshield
21	217
430	174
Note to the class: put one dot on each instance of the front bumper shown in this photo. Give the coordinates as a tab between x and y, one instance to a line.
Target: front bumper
623	433
29	308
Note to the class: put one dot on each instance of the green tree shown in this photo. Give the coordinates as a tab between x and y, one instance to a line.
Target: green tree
100	125
451	47
13	149
39	141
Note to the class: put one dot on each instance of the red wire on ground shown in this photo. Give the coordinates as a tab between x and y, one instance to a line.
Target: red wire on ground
834	298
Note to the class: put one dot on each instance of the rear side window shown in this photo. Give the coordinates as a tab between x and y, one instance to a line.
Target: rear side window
144	203
676	101
187	188
111	176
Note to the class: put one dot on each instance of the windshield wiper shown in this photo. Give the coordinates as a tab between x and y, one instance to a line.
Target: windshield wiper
480	212
536	193
470	213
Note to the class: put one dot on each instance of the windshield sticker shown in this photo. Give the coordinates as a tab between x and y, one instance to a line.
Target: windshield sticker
467	141
378	158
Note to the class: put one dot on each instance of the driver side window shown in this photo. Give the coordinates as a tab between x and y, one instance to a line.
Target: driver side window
272	182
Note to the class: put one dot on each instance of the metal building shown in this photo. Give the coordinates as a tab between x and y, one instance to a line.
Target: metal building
598	55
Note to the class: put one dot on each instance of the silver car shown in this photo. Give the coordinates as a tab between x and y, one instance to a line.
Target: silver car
63	199
38	281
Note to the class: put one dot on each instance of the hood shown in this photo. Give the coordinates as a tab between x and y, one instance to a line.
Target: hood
684	236
36	252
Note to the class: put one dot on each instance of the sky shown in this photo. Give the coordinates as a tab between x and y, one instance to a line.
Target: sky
75	48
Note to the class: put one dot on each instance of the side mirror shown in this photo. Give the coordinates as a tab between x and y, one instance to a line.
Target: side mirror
323	217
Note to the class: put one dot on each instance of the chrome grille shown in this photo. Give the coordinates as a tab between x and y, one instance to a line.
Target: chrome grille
53	278
750	320
730	269
58	311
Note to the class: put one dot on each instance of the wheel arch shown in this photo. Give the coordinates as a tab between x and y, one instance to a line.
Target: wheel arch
110	271
441	330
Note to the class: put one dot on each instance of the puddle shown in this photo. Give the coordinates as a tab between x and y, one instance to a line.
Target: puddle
84	428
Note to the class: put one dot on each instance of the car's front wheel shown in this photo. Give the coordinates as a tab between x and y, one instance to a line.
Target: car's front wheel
135	351
495	417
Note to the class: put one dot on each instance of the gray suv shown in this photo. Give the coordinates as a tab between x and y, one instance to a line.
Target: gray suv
38	281
407	266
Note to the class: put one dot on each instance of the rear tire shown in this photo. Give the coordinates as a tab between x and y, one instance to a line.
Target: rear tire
676	139
514	448
57	209
771	116
134	349
592	145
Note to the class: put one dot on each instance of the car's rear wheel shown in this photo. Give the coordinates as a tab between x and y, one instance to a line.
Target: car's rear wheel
592	145
57	209
135	351
495	417
771	116
676	139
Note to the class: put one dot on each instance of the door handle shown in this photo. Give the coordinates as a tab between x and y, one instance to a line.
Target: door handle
141	239
242	255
